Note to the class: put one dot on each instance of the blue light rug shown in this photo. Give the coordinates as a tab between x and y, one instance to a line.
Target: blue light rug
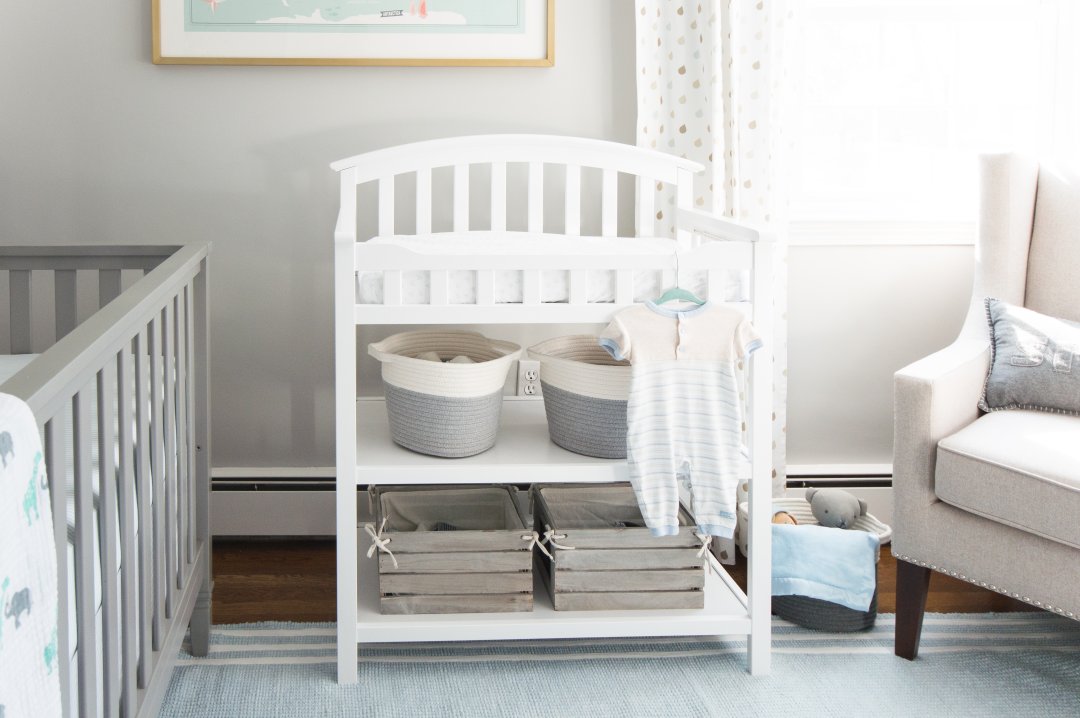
1025	664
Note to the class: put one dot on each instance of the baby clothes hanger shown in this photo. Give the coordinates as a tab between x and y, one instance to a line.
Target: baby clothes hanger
677	293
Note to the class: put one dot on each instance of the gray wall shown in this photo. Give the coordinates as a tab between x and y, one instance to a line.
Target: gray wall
856	314
99	145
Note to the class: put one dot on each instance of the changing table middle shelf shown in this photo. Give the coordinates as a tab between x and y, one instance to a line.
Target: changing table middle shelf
523	453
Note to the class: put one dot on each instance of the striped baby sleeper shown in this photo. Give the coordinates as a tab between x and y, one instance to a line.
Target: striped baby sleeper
684	417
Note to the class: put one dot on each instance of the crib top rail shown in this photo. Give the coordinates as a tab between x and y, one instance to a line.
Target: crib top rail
73	257
48	382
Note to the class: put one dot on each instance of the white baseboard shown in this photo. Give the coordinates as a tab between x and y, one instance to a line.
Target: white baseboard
272	513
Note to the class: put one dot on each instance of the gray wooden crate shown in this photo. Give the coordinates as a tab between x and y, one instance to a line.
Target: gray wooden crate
615	562
457	550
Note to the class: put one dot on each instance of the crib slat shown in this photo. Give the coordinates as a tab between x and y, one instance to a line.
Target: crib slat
19	311
573	200
579	286
189	317
624	286
439	287
179	350
108	286
530	286
168	427
392	287
609	204
85	610
57	474
66	310
157	482
536	196
485	287
147	615
646	197
461	198
129	567
498	196
423	201
107	525
386	206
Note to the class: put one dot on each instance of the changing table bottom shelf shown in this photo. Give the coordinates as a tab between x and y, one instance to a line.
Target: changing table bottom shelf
724	613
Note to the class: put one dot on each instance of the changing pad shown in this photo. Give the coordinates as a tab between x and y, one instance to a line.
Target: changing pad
554	284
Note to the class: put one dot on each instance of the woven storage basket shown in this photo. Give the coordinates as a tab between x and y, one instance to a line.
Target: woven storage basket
439	408
813	612
800	509
824	615
585	393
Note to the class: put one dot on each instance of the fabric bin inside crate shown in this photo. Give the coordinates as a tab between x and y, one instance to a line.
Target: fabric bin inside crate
443	408
451	550
585	394
604	558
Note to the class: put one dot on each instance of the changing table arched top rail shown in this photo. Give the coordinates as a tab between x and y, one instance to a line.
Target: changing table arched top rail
433	180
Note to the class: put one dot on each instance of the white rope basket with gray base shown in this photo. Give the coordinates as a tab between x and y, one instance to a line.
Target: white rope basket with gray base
444	408
585	393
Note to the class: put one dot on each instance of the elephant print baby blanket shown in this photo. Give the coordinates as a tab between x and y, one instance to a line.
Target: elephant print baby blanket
29	666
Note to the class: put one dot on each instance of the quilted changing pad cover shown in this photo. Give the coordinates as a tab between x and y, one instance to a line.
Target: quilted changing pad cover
554	284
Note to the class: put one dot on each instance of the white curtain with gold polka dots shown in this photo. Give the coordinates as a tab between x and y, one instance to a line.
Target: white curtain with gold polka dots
711	85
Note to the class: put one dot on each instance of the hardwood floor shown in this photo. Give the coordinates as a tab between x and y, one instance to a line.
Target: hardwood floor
294	580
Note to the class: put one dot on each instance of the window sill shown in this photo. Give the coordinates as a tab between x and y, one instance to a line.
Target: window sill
860	233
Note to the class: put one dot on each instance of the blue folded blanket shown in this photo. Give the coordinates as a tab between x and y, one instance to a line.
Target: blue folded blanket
836	565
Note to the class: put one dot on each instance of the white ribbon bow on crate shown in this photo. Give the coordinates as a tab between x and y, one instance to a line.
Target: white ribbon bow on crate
552	539
379	542
706	543
534	540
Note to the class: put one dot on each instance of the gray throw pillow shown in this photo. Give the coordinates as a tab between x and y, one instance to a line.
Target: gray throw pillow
1034	361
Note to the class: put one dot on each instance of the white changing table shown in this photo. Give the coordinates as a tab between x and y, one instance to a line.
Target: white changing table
524	453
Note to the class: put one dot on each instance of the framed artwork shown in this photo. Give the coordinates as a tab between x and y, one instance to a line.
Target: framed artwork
354	32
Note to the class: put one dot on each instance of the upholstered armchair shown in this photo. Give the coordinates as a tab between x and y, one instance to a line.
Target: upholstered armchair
993	499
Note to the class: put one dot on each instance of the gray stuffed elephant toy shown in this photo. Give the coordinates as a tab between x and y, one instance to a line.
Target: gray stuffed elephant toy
835	508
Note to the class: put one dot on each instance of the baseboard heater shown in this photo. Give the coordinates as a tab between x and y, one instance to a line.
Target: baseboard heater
262	502
250	502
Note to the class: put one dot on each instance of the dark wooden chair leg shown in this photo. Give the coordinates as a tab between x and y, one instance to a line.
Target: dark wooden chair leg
912	583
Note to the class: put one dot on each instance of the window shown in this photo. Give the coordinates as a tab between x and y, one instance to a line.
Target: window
894	99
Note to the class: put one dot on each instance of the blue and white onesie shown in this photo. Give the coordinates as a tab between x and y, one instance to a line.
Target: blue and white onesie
684	417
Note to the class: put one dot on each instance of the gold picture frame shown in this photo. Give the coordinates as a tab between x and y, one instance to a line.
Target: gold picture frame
169	46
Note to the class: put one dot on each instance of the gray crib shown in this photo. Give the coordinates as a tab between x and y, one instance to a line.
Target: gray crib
109	347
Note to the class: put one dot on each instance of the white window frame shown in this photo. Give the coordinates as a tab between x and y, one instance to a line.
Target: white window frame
865	224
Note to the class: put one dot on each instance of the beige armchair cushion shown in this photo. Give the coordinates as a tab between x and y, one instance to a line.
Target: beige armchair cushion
1018	468
1054	254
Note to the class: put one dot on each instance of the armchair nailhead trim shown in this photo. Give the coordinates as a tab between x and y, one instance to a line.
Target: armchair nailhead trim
1005	591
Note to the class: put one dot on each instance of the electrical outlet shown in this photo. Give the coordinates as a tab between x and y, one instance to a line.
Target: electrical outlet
528	378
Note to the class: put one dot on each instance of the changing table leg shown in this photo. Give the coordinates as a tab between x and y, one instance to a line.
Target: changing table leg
759	579
345	408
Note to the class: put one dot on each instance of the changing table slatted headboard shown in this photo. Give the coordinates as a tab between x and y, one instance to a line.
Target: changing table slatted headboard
513	183
541	155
